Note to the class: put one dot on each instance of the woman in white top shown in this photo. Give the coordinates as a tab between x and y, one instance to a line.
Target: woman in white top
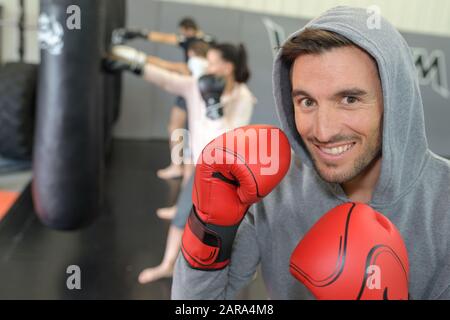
195	66
225	60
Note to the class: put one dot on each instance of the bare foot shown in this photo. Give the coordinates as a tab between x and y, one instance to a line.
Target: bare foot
166	213
171	172
156	273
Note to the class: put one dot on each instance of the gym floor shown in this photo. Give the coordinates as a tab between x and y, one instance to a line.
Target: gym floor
126	237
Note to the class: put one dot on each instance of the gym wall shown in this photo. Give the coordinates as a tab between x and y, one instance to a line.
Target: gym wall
145	109
433	15
10	32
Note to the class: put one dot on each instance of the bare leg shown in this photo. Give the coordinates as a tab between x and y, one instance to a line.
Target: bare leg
165	269
188	171
177	121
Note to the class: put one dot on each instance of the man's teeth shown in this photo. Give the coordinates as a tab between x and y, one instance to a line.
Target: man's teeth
336	150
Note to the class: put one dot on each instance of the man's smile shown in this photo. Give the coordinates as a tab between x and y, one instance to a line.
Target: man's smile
334	152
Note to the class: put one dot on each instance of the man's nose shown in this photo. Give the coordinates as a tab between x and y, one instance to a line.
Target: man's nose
326	123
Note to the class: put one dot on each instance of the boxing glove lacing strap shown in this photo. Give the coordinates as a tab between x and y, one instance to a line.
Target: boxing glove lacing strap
221	237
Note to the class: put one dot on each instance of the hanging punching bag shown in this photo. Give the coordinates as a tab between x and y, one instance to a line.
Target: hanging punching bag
68	146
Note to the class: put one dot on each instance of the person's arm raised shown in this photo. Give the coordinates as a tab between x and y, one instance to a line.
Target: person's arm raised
178	67
125	58
162	37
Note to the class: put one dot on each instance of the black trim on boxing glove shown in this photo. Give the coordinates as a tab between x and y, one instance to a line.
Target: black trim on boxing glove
212	235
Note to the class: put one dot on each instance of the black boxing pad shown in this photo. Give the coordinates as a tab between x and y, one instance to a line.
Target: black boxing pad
68	146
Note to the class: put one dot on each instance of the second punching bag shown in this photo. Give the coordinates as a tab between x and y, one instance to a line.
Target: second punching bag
67	167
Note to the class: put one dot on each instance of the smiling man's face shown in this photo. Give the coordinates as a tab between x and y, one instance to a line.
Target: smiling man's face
338	105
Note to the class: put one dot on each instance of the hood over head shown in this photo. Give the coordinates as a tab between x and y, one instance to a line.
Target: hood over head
404	144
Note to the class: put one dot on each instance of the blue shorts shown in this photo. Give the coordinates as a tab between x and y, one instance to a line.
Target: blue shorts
180	102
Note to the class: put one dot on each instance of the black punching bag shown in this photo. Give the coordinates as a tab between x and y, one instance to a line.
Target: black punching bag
68	146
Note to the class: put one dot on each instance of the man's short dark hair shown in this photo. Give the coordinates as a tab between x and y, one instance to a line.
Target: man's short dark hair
312	41
315	41
188	23
199	47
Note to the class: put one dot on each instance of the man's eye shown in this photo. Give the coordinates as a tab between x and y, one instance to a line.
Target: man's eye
349	100
306	102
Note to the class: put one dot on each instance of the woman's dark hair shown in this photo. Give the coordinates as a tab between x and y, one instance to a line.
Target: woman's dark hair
237	55
188	23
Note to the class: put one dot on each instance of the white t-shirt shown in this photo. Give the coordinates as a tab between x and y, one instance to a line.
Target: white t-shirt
238	106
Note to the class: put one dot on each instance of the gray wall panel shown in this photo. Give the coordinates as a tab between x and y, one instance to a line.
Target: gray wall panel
139	114
260	51
435	55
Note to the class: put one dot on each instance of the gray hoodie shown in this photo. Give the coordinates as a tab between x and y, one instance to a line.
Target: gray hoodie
413	190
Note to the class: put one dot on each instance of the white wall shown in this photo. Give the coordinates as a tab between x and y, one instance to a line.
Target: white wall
10	42
431	16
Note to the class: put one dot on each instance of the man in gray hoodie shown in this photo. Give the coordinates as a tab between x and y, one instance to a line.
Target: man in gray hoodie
348	99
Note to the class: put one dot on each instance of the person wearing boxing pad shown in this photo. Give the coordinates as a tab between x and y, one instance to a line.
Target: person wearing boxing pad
196	66
217	102
188	34
364	210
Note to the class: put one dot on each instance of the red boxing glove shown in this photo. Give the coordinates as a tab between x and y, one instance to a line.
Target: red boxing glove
234	171
352	253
